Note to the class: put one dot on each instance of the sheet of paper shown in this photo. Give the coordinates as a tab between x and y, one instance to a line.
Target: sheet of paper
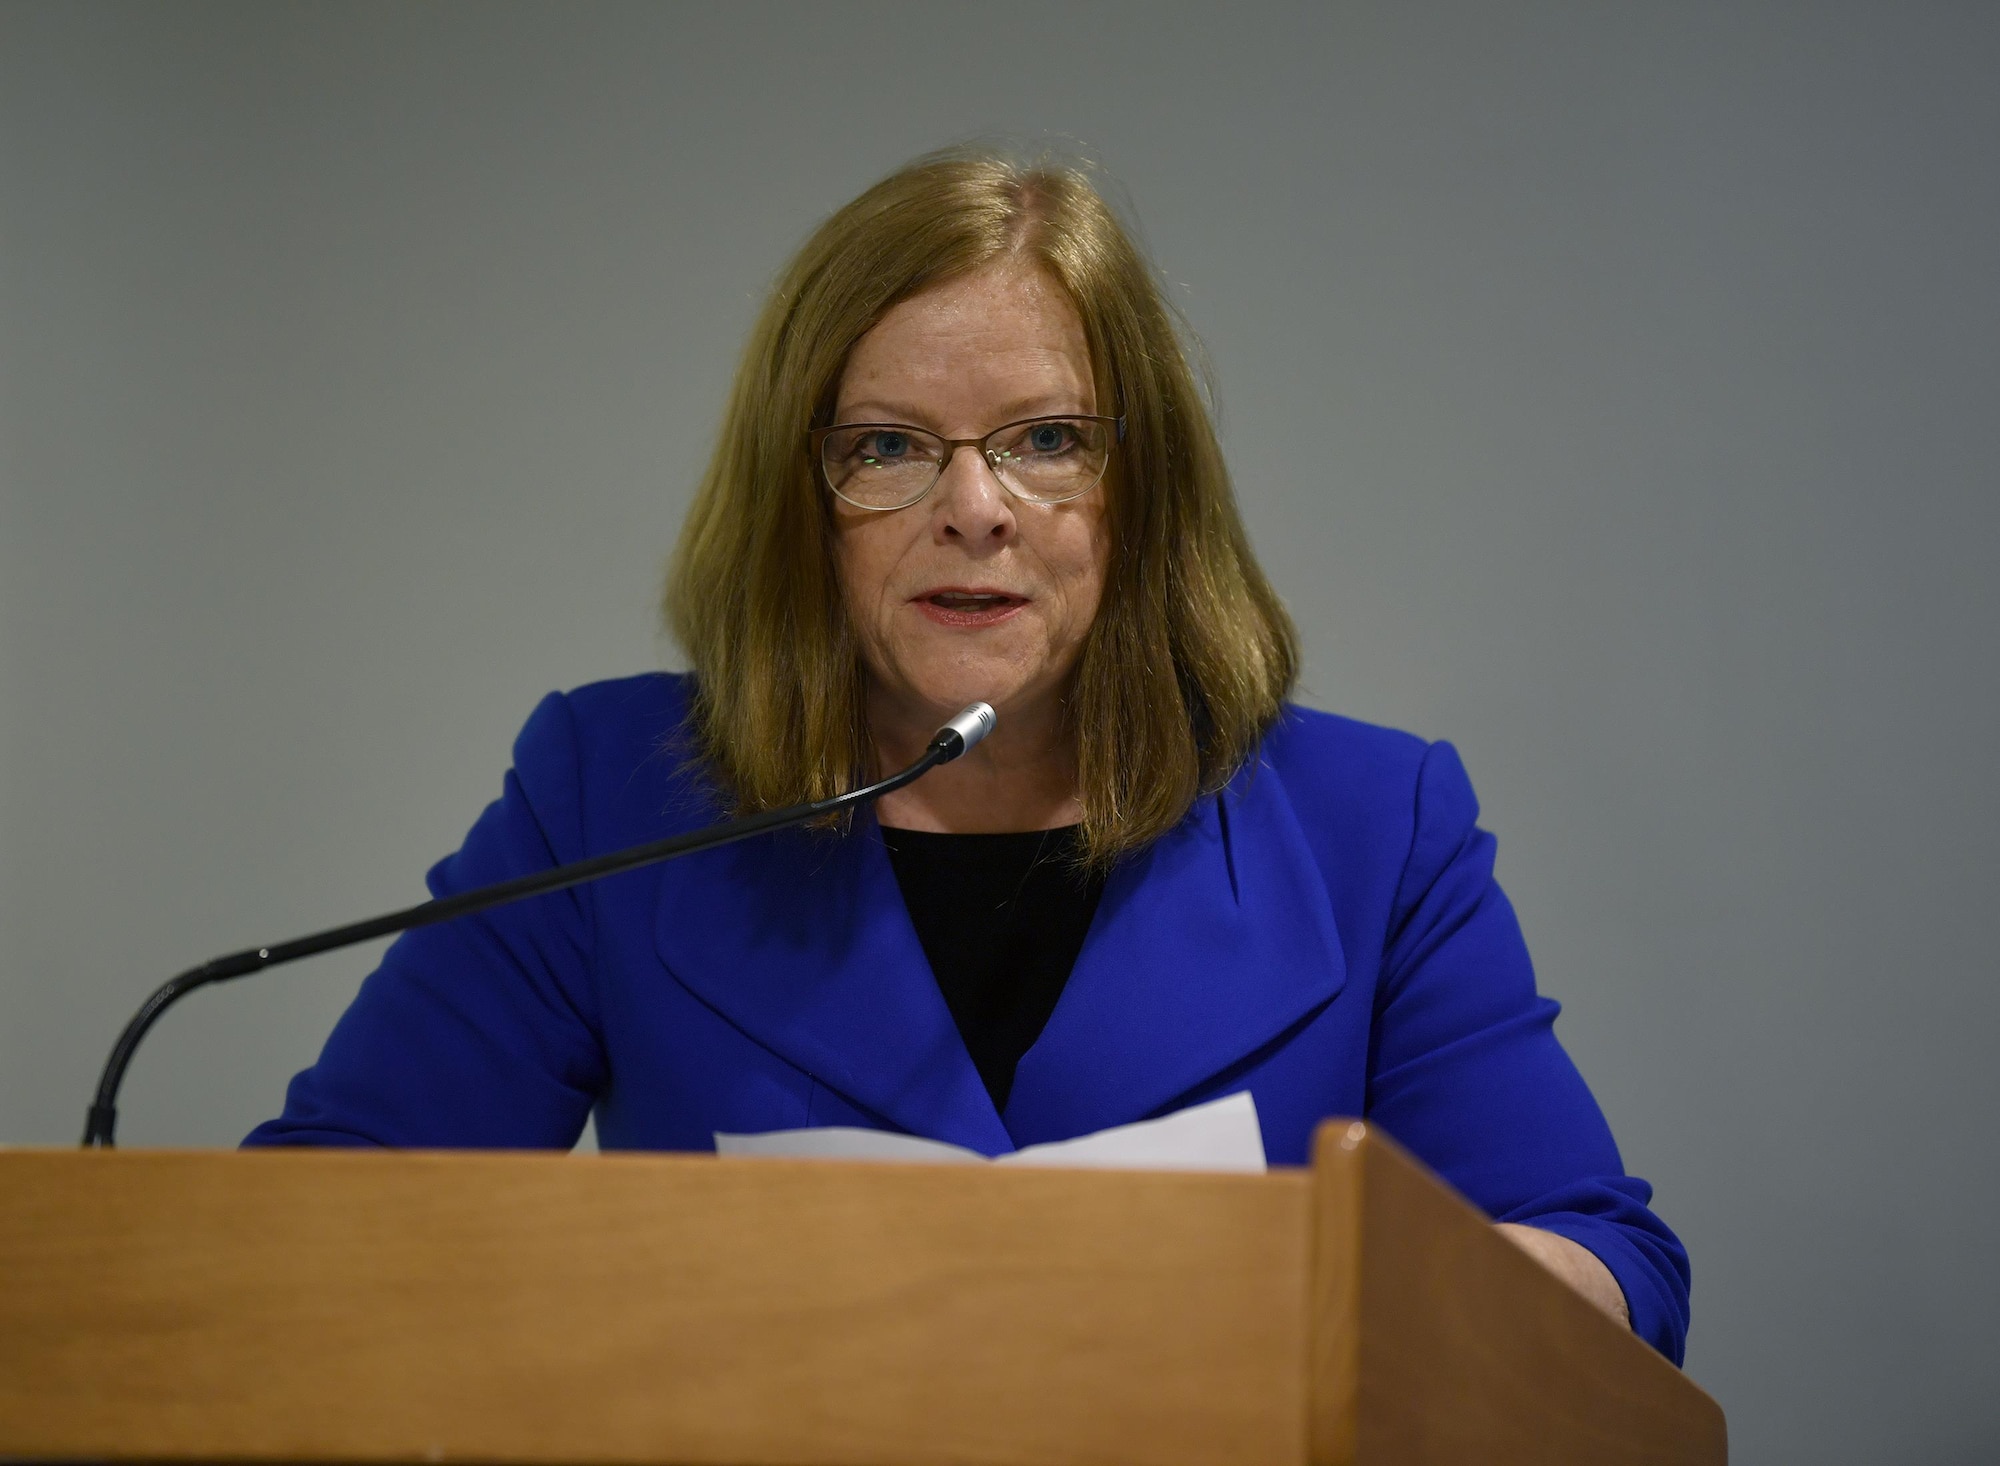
846	1143
1221	1135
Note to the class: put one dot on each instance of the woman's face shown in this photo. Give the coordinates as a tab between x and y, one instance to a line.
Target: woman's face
971	594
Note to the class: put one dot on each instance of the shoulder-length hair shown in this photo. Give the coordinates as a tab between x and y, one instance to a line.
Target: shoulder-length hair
1191	654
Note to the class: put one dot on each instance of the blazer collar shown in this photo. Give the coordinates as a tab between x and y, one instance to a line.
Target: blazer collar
802	941
1205	947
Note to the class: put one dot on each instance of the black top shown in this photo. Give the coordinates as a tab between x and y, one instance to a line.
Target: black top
1001	918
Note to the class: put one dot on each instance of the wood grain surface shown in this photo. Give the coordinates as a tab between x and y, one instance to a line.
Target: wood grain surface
366	1306
374	1307
1437	1340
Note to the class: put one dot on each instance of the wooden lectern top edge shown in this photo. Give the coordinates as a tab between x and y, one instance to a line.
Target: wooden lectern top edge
314	1154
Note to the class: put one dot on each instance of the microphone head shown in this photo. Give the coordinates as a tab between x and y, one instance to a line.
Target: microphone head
971	725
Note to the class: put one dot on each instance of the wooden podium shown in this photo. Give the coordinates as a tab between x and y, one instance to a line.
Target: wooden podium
505	1307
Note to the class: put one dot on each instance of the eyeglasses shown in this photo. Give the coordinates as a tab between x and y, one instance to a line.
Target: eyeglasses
1044	460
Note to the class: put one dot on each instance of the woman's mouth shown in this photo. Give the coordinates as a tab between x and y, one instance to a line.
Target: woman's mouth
969	608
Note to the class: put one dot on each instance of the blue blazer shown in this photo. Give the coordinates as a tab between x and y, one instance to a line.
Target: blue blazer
1325	933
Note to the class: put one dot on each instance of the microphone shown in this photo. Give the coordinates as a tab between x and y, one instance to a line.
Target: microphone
970	727
963	732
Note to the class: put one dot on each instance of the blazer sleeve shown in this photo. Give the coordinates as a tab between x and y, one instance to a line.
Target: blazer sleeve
1465	1069
482	1031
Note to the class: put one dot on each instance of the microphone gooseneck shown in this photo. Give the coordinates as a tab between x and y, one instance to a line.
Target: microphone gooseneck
968	728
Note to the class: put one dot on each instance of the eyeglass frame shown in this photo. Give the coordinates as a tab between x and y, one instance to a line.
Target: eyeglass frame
816	441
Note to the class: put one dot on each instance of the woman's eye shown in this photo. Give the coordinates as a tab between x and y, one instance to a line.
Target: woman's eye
1049	437
884	445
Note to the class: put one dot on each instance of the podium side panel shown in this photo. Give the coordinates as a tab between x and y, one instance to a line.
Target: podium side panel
1471	1351
521	1308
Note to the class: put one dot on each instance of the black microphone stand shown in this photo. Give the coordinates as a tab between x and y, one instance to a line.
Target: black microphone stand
968	728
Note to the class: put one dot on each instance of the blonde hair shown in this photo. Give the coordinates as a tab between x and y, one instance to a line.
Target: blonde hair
1191	654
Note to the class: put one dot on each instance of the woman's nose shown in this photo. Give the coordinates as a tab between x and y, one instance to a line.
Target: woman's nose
972	506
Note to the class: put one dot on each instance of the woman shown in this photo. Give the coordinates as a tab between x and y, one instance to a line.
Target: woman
965	459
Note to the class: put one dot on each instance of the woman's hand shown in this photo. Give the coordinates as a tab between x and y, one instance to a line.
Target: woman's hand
1575	1264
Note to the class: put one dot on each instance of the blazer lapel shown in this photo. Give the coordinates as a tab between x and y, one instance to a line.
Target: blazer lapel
802	940
1205	947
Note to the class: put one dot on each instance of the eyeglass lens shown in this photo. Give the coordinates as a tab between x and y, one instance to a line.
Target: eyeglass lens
886	466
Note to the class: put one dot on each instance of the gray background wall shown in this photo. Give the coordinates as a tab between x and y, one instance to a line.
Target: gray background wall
1611	389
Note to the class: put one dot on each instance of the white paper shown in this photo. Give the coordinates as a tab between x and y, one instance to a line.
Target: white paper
845	1143
1222	1135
